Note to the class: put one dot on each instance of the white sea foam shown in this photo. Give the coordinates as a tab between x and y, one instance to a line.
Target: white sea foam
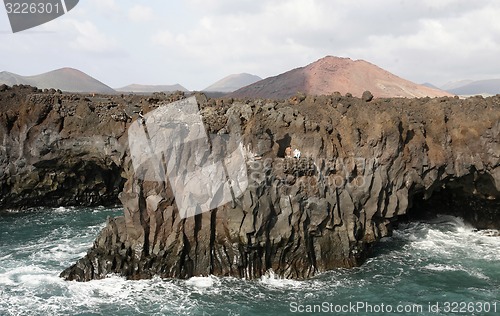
29	282
6	257
21	275
441	267
201	282
449	237
457	267
270	279
62	210
33	286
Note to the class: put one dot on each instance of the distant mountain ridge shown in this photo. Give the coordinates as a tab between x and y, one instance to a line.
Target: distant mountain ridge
232	83
455	84
479	87
65	79
331	74
139	88
430	85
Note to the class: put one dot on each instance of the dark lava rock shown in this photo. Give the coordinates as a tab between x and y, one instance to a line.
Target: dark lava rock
361	168
367	96
62	149
359	172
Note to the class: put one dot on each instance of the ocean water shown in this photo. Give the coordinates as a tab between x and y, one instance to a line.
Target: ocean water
441	267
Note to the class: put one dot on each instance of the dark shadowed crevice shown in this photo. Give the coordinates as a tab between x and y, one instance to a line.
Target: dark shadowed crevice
472	197
283	144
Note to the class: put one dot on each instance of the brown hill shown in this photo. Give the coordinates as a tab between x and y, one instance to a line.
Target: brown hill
331	74
232	83
66	79
139	88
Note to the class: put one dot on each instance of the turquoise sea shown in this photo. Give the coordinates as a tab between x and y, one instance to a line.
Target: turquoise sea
441	267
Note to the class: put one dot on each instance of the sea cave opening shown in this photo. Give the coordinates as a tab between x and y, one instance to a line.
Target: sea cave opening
474	198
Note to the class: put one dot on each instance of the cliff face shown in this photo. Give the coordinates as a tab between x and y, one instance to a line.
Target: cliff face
63	149
363	165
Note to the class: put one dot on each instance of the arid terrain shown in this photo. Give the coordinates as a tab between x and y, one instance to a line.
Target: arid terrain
65	79
333	74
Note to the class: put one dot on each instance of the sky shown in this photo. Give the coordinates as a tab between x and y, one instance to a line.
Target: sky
197	42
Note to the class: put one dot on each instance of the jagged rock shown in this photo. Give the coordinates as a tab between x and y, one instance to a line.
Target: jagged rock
360	170
367	96
62	149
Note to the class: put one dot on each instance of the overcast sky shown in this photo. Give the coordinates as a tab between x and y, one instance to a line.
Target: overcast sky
197	42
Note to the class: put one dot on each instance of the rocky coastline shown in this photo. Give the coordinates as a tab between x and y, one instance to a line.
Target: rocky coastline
365	164
61	149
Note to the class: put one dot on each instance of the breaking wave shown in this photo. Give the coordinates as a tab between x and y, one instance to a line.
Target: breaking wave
443	259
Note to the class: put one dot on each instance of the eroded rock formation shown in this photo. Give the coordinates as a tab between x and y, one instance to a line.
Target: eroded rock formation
64	149
364	163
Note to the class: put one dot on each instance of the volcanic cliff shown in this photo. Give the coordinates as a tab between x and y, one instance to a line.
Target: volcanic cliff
64	149
365	164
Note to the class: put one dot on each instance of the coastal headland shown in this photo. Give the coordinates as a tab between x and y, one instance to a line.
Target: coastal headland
365	164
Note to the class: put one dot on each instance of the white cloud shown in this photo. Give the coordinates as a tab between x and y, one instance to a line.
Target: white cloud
197	42
140	13
105	5
440	49
90	39
224	7
164	38
421	41
264	41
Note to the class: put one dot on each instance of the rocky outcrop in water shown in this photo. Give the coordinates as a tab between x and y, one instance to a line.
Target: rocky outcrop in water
364	164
